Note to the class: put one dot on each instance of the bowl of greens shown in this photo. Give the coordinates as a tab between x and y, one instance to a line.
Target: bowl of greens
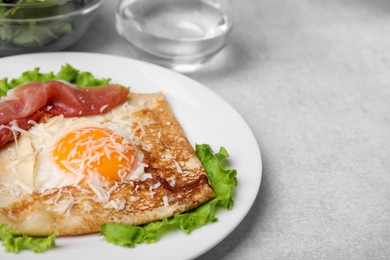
43	25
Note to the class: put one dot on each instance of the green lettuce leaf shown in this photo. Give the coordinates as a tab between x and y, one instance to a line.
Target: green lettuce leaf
66	73
14	243
224	183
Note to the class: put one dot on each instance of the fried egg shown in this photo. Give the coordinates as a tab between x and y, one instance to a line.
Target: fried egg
73	150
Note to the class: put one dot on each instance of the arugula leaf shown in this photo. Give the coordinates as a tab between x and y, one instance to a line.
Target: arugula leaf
223	182
14	243
67	73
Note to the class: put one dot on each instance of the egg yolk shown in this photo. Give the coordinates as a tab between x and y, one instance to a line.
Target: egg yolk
95	150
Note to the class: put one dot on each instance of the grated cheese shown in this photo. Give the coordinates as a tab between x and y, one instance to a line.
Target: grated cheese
100	188
116	204
20	159
24	186
133	198
146	176
155	186
32	122
15	189
178	168
121	204
54	121
87	206
48	192
147	147
166	201
172	181
22	131
169	156
62	202
13	133
102	108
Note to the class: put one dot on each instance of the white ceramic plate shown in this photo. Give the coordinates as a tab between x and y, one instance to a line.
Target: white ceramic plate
205	117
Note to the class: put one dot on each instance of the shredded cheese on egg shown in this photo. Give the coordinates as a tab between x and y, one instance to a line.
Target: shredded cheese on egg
60	181
49	192
121	121
53	121
18	160
22	131
15	189
99	188
24	186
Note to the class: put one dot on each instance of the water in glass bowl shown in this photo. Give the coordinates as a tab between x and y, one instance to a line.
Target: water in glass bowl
180	34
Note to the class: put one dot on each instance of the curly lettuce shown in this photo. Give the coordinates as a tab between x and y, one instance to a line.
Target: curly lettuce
66	73
14	243
224	183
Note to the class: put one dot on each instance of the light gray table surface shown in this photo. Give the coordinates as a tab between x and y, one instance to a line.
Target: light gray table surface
312	80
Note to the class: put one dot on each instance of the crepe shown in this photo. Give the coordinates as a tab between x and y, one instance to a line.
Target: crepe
173	179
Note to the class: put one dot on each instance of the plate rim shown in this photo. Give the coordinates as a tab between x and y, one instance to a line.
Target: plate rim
258	163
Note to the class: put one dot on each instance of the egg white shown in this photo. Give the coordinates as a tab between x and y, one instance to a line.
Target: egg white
47	174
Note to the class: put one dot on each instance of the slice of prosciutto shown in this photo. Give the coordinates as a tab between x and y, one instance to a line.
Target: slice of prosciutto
32	100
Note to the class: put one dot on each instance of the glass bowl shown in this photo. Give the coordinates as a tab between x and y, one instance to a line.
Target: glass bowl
43	25
178	34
